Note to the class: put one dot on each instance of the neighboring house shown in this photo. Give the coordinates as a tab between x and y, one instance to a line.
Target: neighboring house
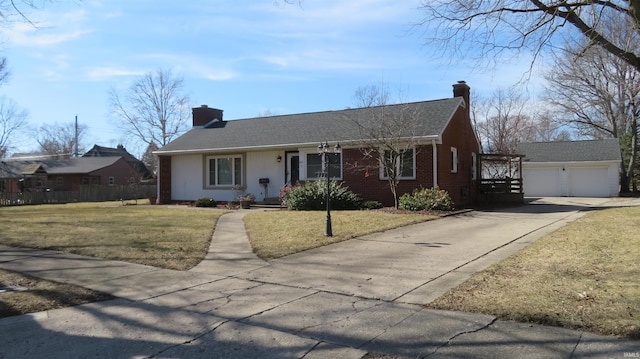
215	155
64	175
573	169
120	151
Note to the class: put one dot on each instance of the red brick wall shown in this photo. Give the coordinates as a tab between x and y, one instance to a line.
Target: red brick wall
164	170
371	187
458	134
460	186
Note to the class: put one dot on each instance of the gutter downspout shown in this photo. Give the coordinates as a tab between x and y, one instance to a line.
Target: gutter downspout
435	162
157	180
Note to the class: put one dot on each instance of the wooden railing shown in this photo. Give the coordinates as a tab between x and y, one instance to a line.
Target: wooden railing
502	185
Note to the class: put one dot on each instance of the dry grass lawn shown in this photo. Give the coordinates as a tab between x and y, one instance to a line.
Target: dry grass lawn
584	276
25	294
275	234
160	236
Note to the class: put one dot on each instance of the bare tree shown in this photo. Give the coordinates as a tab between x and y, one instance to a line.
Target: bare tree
59	141
154	109
386	134
12	121
600	95
549	127
371	95
503	121
267	113
496	27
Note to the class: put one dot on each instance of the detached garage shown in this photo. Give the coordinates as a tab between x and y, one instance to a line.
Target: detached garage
571	169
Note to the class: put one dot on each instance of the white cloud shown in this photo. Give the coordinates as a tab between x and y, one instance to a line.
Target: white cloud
101	73
54	30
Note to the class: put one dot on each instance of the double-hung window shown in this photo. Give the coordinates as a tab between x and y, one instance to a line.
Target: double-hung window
405	166
315	169
224	170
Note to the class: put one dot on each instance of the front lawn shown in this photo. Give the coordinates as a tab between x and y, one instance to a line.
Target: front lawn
275	234
168	237
584	276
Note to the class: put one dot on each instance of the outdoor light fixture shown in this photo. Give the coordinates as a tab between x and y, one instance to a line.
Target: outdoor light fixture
279	159
323	150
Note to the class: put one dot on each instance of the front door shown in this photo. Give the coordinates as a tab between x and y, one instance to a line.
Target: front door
292	168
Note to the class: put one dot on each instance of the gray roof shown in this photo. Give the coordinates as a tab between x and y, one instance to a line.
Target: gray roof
571	151
76	165
312	128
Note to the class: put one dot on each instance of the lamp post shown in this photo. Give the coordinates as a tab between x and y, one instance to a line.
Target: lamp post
323	150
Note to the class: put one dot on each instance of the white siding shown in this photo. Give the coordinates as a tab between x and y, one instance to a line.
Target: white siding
264	165
188	177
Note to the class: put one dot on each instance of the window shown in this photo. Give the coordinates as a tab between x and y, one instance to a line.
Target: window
454	160
112	180
224	171
314	165
405	166
59	181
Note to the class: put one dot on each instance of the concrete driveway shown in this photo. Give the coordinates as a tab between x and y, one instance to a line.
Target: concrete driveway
418	263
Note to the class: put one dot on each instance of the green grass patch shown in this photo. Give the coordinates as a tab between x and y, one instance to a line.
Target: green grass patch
160	236
275	234
583	276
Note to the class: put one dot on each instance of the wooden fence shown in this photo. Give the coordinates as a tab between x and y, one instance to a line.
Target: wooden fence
87	193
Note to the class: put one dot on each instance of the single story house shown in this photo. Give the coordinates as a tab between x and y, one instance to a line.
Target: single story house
64	175
571	168
264	154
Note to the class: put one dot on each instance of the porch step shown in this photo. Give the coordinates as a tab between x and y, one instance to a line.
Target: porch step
269	202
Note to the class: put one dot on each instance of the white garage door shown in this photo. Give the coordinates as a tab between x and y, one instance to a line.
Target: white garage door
542	182
588	182
573	182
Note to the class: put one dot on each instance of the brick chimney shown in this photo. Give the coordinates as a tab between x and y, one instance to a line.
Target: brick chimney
461	89
205	114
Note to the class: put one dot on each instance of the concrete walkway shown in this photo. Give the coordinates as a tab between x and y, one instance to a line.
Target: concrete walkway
340	301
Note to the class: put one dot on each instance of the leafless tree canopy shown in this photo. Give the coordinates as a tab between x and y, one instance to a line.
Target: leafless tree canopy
154	109
371	95
599	94
59	141
387	135
12	120
496	26
504	120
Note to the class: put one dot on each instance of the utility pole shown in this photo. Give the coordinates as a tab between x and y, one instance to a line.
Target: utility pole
76	154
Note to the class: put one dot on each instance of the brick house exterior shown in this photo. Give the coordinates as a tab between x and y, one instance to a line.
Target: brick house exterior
215	154
67	174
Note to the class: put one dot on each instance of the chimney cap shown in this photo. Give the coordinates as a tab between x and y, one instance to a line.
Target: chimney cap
204	106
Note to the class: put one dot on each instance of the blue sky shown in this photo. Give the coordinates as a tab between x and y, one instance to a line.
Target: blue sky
245	57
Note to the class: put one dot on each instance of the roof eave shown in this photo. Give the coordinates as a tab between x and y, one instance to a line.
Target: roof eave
347	143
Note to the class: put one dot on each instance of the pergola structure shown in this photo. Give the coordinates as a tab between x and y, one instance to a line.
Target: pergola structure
499	178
